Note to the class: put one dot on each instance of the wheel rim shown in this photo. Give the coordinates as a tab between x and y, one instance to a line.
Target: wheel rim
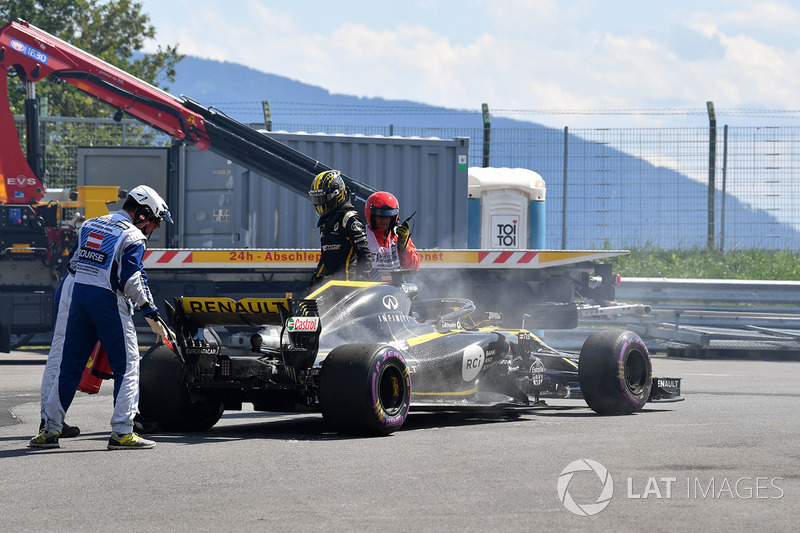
636	372
391	390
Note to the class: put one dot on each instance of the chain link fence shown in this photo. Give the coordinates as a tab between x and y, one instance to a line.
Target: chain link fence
61	138
612	188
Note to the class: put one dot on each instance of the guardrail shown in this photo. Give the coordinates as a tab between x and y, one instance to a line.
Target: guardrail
709	291
700	317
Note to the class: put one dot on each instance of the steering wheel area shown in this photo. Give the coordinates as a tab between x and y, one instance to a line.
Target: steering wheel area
450	313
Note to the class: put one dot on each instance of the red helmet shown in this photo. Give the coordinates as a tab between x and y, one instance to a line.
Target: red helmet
382	204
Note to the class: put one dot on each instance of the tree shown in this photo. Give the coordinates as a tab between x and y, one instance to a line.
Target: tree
112	30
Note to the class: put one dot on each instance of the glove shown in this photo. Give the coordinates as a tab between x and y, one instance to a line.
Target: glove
403	233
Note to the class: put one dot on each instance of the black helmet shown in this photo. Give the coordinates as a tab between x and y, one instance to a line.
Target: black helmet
328	191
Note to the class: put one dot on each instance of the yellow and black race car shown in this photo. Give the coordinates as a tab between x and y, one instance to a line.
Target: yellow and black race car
364	354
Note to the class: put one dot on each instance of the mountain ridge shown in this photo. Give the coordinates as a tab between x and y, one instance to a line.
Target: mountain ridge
252	86
664	201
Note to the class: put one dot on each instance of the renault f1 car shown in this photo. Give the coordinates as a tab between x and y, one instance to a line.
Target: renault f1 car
364	354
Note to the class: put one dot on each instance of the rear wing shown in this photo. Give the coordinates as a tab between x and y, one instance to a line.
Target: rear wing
229	312
298	318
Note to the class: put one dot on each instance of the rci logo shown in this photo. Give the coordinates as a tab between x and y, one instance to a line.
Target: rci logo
586	509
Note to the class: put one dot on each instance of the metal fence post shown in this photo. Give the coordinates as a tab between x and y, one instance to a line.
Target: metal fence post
267	115
487	130
724	186
712	156
564	191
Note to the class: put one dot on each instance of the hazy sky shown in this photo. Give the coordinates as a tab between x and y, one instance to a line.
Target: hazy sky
518	56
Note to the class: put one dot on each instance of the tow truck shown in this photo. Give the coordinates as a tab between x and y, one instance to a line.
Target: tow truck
35	235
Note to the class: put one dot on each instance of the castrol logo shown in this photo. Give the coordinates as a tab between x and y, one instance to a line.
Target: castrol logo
302	323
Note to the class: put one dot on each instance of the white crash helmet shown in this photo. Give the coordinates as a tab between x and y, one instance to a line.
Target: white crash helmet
151	205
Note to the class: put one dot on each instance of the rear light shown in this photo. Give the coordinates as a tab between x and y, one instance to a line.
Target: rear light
617	280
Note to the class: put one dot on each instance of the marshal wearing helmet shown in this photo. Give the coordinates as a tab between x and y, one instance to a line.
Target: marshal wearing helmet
343	239
146	204
109	282
389	242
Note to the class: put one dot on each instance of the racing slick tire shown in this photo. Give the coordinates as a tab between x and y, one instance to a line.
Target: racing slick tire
164	396
615	372
365	389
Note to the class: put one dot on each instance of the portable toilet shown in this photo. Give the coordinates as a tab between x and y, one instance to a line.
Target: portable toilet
506	209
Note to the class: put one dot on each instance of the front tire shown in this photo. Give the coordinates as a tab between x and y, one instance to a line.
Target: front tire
164	395
615	372
365	389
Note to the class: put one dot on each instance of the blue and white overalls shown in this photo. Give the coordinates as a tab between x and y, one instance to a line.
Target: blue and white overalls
109	281
63	299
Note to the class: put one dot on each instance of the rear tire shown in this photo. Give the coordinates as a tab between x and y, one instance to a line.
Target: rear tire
365	389
164	395
615	372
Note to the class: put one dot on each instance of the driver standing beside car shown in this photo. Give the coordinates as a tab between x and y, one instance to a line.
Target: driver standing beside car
345	254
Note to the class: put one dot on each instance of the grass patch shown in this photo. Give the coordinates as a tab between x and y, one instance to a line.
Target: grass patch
709	264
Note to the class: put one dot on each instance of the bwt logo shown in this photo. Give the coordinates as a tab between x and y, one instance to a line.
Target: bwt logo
585	509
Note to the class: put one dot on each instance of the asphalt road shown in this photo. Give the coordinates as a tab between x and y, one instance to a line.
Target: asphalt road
726	459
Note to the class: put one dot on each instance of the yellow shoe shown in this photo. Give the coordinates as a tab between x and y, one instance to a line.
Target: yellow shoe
129	441
45	439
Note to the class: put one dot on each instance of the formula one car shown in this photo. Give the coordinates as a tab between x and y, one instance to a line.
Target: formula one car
364	354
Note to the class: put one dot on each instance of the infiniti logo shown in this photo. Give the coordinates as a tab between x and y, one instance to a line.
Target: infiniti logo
390	302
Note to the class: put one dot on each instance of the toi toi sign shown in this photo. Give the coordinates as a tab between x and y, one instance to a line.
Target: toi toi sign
505	231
